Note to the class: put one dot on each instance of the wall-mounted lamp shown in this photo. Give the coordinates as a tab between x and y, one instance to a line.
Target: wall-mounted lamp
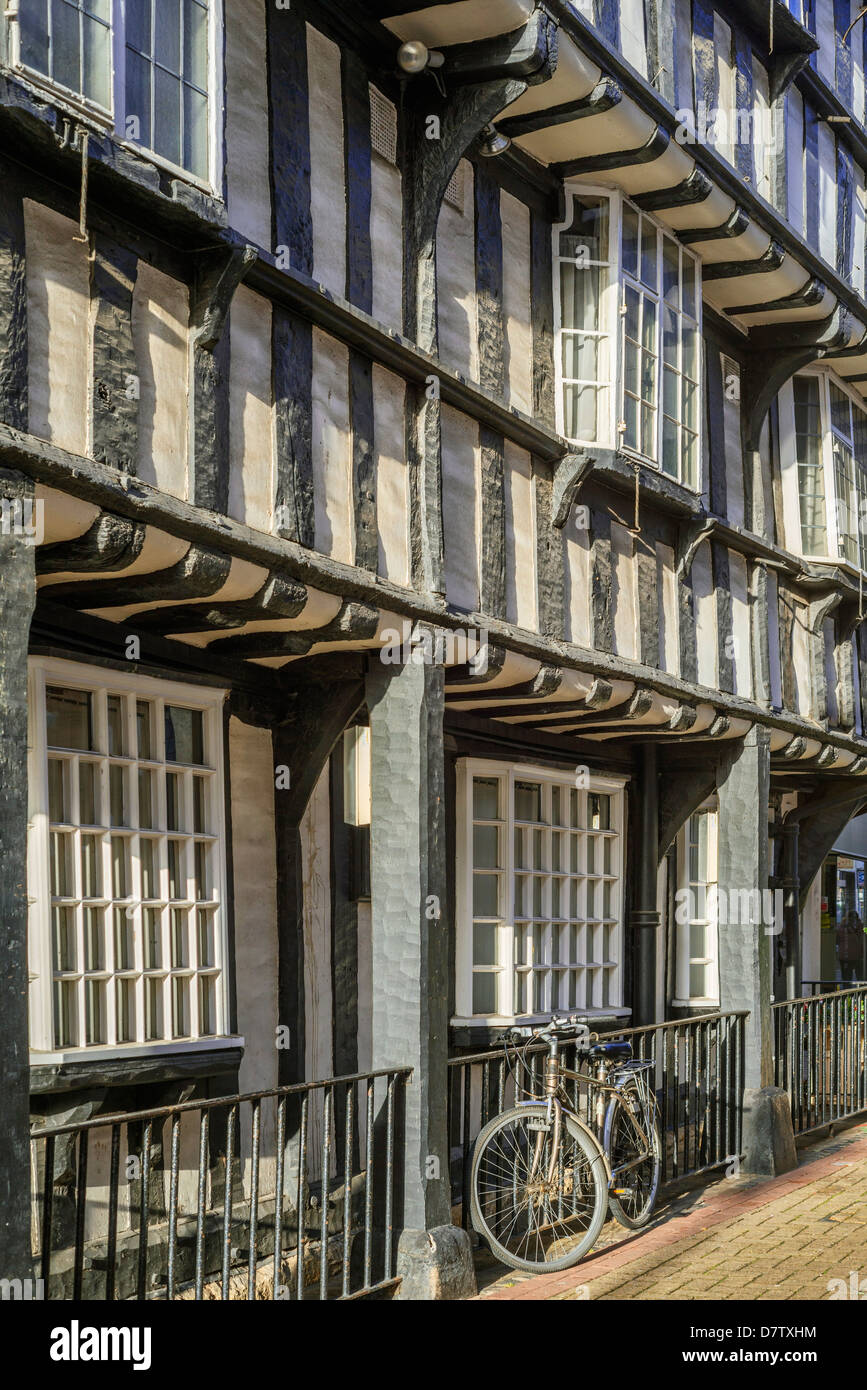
414	57
493	142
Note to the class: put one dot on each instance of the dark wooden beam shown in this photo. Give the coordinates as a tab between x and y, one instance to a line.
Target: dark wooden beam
198	573
13	301
111	543
653	149
605	95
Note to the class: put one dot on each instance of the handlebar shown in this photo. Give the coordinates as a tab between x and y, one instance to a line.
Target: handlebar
557	1027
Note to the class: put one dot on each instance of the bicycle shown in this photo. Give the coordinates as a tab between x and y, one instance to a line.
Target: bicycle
541	1181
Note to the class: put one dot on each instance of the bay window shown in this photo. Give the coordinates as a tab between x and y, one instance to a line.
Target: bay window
628	311
823	437
539	892
147	68
126	863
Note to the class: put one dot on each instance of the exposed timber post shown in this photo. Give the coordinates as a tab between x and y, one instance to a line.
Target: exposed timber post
645	914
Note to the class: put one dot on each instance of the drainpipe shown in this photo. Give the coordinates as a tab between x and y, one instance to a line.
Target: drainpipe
645	916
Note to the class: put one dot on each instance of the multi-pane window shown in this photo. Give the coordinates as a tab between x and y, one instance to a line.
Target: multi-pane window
824	431
811	473
628	304
167	79
696	911
144	63
585	279
126	863
69	41
540	885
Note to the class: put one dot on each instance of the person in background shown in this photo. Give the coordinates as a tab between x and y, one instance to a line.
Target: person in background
850	938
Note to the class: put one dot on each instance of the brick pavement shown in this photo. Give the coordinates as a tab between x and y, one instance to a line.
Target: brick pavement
741	1238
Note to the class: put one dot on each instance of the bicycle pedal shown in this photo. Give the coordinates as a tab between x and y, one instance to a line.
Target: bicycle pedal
622	1192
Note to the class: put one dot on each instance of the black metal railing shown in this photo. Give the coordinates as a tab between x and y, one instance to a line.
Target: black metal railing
698	1082
820	1047
811	987
281	1194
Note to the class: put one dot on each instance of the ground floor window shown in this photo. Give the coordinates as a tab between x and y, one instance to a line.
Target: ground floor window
540	890
696	910
126	861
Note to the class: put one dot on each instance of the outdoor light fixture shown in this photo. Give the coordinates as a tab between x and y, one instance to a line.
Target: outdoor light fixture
414	57
493	142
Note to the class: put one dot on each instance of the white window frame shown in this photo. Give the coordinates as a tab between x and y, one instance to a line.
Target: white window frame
789	456
44	672
683	957
509	773
613	318
112	119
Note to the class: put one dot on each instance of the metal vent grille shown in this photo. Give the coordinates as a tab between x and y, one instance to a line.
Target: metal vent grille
383	126
455	190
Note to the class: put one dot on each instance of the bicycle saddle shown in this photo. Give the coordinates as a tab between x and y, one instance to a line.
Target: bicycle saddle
612	1051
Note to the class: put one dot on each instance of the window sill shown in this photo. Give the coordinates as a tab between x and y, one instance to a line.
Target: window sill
54	1072
33	110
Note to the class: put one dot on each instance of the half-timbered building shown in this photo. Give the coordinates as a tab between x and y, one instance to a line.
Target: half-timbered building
434	463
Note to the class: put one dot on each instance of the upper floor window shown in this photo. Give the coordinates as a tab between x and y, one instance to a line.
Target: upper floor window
540	882
628	300
145	65
126	862
823	431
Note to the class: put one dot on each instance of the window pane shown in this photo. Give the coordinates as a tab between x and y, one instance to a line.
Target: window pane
63	937
150	886
65	45
94	945
153	943
580	294
97	62
58	802
205	921
167	116
195	43
167	38
587	238
61	865
65	1014
154	1009
670	272
485	798
200	806
138	24
88	799
116	730
486	897
207	1005
124	939
484	943
184	735
33	23
180	1007
697	978
69	718
630	240
138	99
195	154
528	801
125	1004
94	1001
484	992
117	795
145	799
486	847
649	270
144	728
580	412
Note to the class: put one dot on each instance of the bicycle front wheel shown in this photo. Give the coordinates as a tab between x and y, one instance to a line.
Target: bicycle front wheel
534	1218
633	1193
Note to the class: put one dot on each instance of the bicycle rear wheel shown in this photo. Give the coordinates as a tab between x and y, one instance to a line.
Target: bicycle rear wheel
531	1219
633	1195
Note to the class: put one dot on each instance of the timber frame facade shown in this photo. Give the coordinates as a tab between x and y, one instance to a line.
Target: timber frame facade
273	409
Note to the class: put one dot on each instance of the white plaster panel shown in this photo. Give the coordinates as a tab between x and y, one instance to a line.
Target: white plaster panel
826	57
461	467
456	283
251	412
515	217
738	582
160	329
332	449
795	157
386	235
827	193
327	171
392	483
725	76
633	43
705	616
58	325
521	605
254	869
461	21
247	153
576	545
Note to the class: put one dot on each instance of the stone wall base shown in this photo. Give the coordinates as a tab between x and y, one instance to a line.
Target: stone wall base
769	1138
435	1264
